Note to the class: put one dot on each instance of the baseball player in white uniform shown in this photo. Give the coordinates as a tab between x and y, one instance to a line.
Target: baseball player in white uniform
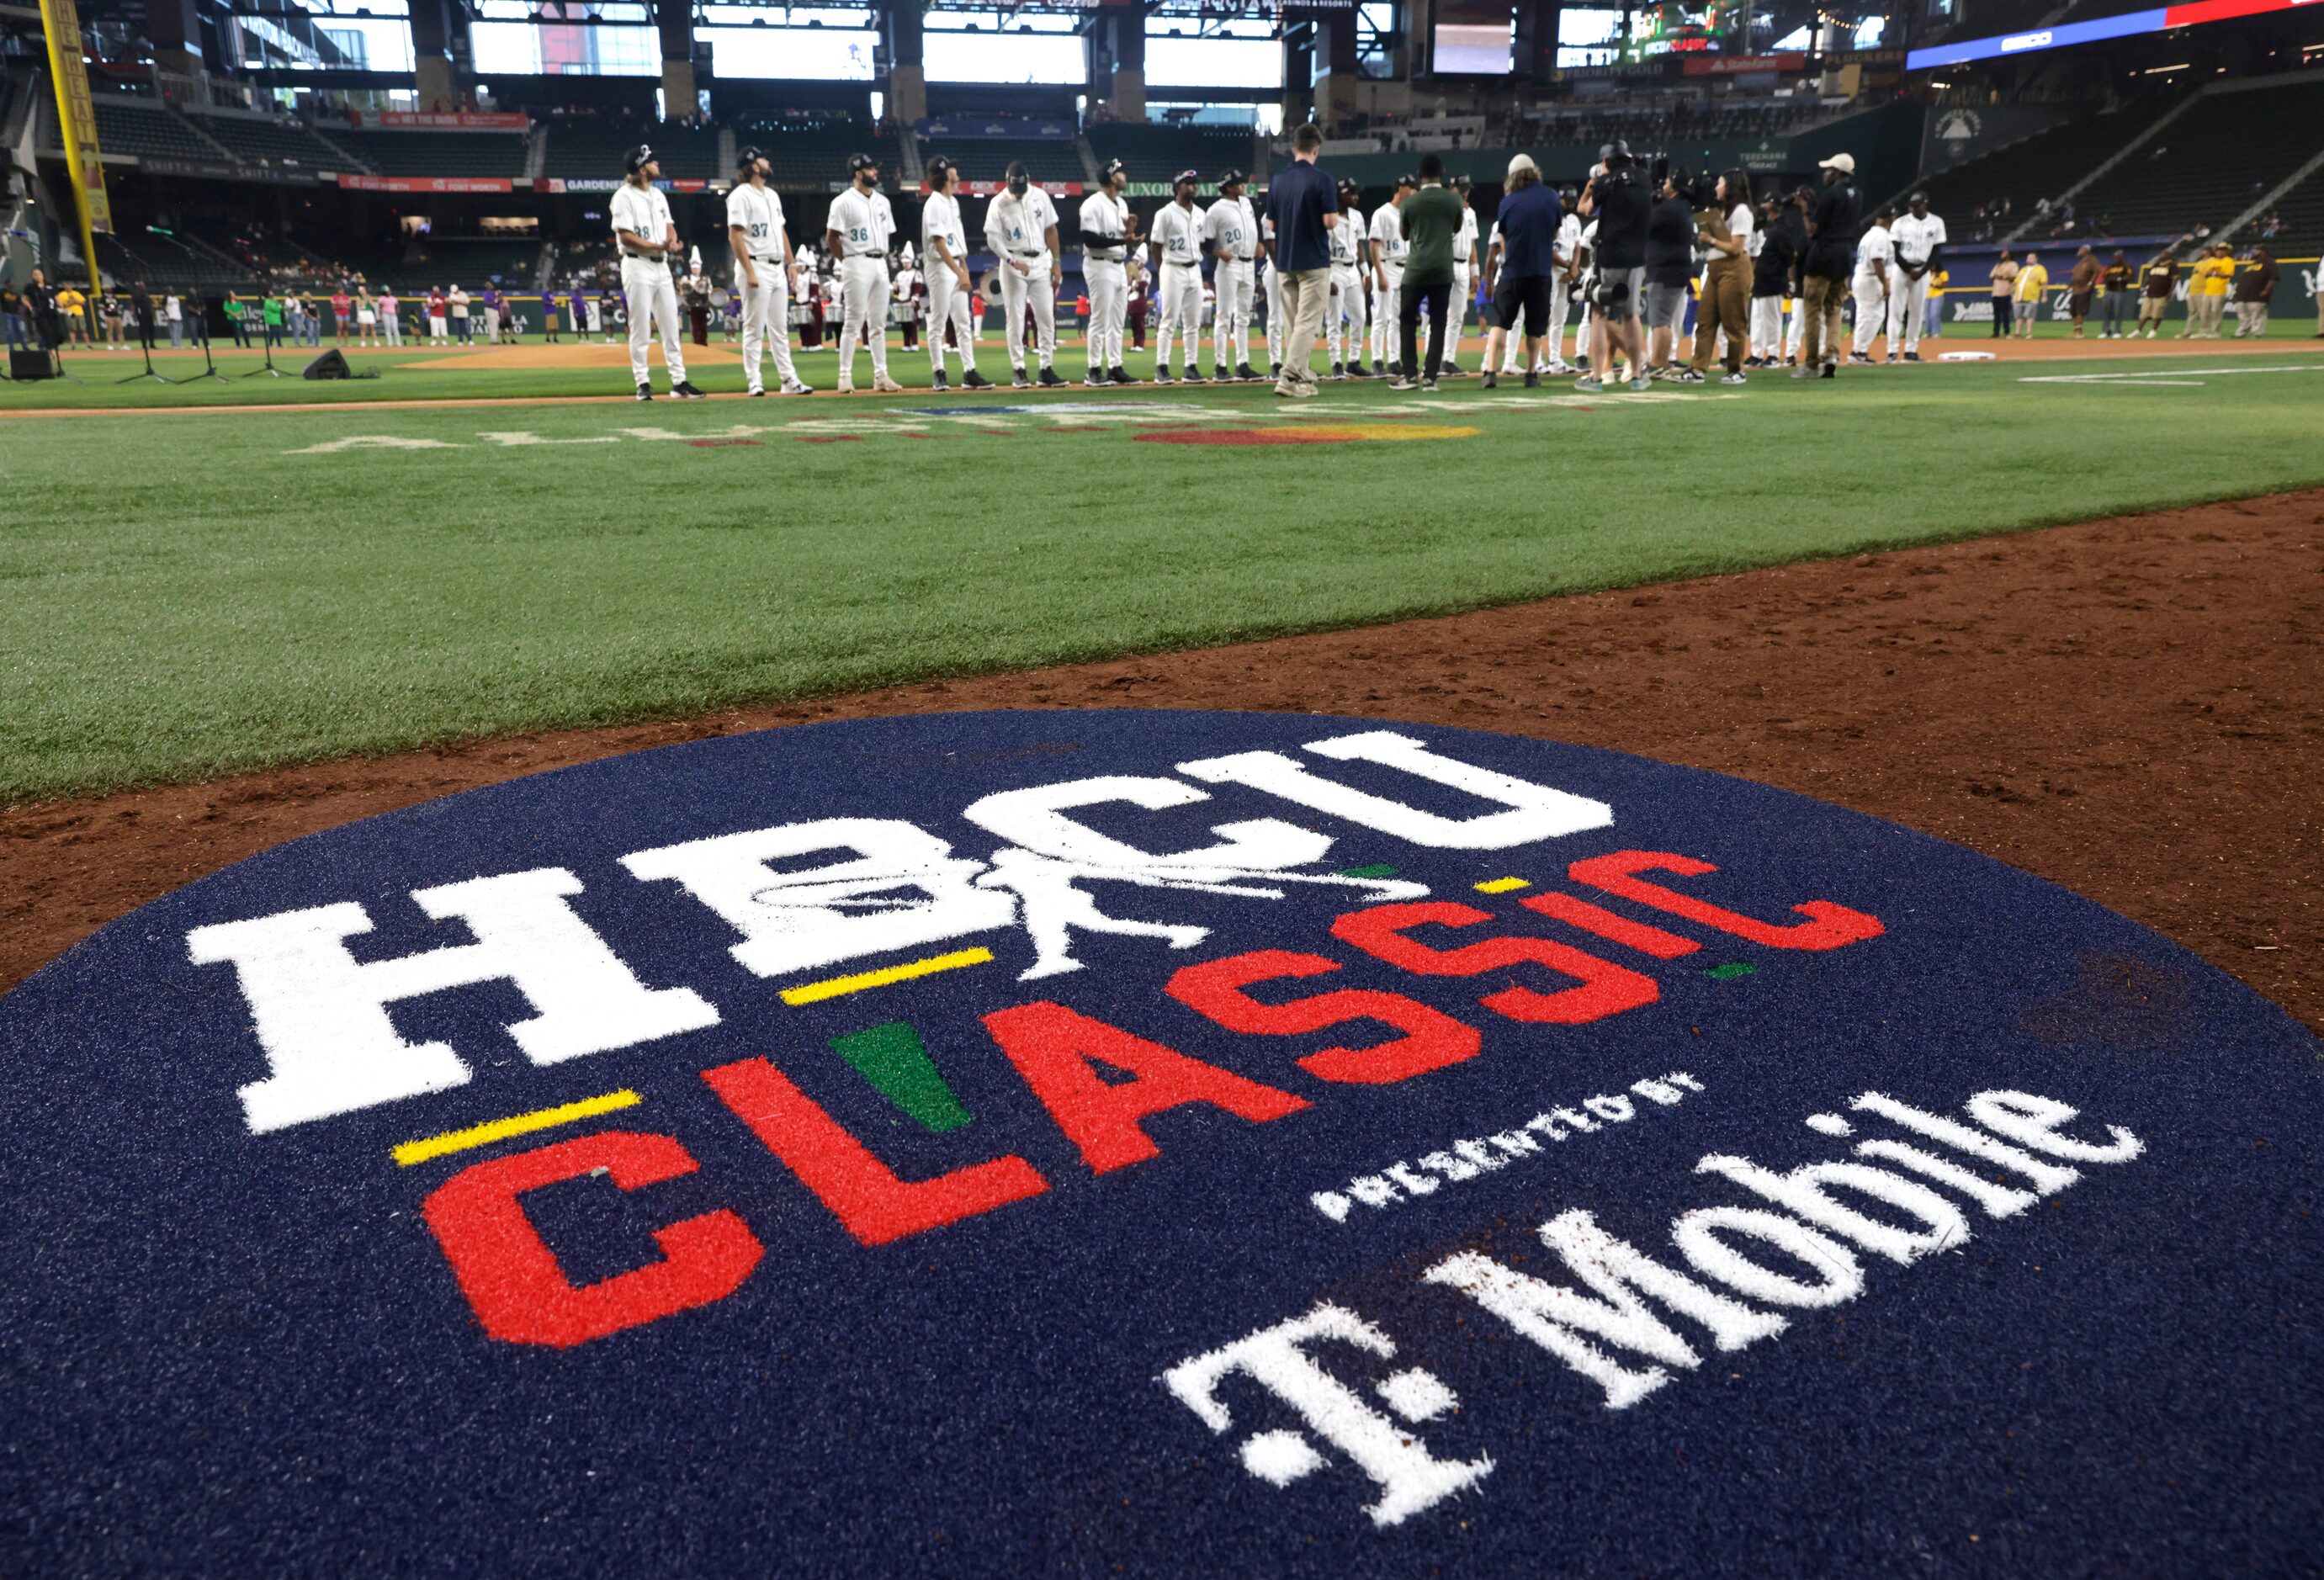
1272	282
1106	240
1464	277
1020	227
857	234
648	241
1351	254
1176	240
944	249
762	272
1231	236
1387	268
1917	235
1876	258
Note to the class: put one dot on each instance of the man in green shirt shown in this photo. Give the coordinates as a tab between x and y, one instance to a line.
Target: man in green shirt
1430	219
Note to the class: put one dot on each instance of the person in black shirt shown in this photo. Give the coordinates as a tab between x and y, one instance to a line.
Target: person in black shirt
1617	198
141	313
1670	265
1833	230
1781	236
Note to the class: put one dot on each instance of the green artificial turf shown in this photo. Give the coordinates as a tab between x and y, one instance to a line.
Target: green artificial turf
185	595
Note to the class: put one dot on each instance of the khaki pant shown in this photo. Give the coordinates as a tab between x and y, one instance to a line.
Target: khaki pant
1305	292
1726	304
1821	341
2251	318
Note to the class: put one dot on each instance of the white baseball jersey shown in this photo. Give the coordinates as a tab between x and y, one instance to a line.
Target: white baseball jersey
645	213
1464	240
940	219
1343	238
1916	239
1388	230
1104	214
1229	226
1019	226
760	216
1569	236
1178	232
864	222
1878	247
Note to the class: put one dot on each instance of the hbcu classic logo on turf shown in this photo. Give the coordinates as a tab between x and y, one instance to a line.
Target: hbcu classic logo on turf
1021	1142
824	909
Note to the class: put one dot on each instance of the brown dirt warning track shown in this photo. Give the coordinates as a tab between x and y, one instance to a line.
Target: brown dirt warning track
2133	708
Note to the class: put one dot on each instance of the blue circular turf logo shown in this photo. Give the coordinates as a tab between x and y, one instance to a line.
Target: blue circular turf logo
1157	1142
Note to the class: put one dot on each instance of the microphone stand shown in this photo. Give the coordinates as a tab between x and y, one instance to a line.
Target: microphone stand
145	335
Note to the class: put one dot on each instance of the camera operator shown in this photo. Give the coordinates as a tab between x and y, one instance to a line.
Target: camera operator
1618	197
1670	265
1833	230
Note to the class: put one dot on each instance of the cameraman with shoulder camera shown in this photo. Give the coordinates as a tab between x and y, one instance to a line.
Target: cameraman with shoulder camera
1834	228
1617	197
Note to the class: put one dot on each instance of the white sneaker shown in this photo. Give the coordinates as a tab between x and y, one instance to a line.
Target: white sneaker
882	384
846	385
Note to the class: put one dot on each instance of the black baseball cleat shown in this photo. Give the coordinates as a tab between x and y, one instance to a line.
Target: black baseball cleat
1049	380
1357	370
973	380
1093	380
1118	375
1277	373
1396	369
686	392
1488	379
1019	381
1339	369
1247	373
645	392
1219	374
1912	356
937	382
1831	369
1162	376
1533	379
1193	375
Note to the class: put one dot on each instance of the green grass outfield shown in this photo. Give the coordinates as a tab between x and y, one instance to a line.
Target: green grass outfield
182	595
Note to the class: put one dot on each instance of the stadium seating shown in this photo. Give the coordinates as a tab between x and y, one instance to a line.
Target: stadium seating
2041	166
986	158
271	143
582	147
435	153
1156	152
472	261
144	127
165	263
2210	164
810	153
2302	210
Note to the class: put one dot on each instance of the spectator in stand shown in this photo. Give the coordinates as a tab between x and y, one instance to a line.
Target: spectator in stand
2159	279
2004	294
455	302
2254	291
2032	280
2118	281
439	323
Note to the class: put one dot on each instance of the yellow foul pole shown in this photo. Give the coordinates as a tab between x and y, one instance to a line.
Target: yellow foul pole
76	124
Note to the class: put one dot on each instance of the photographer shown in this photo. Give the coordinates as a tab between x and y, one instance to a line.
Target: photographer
1834	229
1726	229
1617	198
1670	266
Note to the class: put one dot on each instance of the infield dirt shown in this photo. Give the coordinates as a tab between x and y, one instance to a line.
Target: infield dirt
2133	708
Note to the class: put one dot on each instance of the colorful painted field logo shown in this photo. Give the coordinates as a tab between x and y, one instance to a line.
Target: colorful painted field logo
1153	1143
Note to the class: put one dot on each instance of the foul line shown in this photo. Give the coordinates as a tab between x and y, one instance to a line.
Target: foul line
452	1141
2165	374
838	987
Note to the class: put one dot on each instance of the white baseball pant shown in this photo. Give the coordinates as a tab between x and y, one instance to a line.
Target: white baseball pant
652	299
864	295
1383	339
1872	299
766	321
1231	318
1346	328
1109	296
1908	314
949	305
1180	306
1277	331
1017	290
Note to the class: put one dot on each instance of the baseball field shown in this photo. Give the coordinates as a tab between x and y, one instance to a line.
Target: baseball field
209	579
